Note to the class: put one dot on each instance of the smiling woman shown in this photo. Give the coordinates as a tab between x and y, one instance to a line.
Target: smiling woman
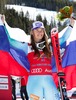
38	34
40	65
40	80
38	31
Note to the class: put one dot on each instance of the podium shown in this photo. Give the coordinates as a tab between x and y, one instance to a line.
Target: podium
5	88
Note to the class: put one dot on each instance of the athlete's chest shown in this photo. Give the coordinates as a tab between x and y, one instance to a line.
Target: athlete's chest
34	59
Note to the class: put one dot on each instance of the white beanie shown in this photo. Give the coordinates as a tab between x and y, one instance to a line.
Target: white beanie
37	24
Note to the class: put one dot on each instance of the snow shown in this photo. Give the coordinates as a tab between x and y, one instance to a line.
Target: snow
33	12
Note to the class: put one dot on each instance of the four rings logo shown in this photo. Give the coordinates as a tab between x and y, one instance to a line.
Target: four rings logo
36	70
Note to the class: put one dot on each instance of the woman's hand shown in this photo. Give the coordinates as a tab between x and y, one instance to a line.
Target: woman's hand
3	18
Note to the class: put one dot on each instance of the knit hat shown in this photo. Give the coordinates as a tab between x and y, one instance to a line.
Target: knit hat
37	24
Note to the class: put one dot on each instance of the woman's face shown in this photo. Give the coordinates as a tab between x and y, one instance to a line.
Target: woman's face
38	34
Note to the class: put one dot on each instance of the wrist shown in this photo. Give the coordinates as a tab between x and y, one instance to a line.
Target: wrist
71	26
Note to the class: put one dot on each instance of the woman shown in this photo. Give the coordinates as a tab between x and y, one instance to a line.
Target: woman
40	81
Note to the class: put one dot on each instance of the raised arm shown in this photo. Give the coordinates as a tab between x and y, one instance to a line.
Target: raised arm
67	31
66	34
13	42
17	34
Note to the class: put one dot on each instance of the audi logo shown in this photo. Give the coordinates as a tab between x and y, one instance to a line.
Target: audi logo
36	70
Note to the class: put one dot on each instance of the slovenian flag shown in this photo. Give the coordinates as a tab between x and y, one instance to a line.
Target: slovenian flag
68	61
9	65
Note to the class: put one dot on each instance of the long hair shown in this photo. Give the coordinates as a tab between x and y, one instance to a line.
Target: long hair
46	49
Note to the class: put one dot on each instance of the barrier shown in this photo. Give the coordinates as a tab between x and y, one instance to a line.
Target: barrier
5	88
